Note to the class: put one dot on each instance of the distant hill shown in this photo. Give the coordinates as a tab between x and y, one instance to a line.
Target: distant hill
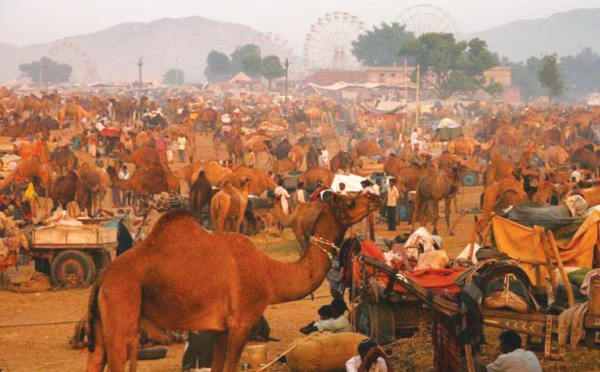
163	44
562	33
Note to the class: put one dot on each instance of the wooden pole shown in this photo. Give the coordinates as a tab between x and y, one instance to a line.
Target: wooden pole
544	240
406	80
417	97
561	269
371	218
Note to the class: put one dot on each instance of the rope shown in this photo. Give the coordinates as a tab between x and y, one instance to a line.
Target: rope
263	368
39	324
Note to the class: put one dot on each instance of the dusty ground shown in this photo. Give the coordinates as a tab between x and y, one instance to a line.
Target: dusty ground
46	348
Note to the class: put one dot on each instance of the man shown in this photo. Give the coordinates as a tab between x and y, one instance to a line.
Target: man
299	196
338	323
124	175
367	187
324	158
377	187
575	175
514	358
342	191
392	202
284	196
414	140
181	142
371	358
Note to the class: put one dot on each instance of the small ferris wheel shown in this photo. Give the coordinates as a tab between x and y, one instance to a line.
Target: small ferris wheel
84	68
273	44
328	44
424	19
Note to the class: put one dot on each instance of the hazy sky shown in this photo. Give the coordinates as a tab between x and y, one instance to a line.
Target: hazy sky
24	22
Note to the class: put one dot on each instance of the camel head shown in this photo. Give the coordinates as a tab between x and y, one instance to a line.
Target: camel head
350	210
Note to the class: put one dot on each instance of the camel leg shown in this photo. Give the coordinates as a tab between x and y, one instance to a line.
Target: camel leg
448	205
239	331
97	359
436	215
220	353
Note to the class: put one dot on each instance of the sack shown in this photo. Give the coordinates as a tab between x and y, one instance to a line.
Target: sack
329	352
501	294
30	282
433	260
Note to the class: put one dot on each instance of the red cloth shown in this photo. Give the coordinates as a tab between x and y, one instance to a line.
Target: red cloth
110	132
438	280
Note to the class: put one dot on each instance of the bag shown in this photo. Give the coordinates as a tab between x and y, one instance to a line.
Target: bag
501	294
30	282
329	352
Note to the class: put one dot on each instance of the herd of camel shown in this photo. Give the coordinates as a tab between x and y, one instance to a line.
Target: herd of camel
523	154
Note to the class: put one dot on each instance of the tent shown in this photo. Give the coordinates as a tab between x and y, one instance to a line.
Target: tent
385	107
448	129
241	77
527	244
351	181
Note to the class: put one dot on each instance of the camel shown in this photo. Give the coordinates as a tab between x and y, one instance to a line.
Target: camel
257	144
236	284
555	156
586	159
341	161
432	188
213	170
283	166
235	148
315	174
282	150
296	155
201	194
312	157
261	181
143	157
393	165
408	177
74	112
30	170
70	188
98	181
63	159
229	204
146	181
465	146
366	147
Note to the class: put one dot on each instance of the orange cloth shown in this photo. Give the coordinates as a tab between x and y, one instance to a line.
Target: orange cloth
438	280
522	242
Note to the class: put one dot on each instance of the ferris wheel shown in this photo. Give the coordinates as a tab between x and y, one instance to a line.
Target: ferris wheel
328	44
424	19
84	68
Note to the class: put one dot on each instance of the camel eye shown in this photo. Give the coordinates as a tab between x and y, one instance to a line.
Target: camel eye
351	204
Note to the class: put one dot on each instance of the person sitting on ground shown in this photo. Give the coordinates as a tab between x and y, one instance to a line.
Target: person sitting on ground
325	312
337	324
370	358
514	358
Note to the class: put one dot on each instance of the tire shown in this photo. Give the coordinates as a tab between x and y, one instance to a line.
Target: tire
469	179
376	321
69	263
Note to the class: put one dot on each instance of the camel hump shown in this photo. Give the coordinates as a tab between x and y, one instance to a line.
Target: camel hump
172	217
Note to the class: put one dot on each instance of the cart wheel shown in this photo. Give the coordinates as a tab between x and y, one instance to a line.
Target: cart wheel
469	179
73	265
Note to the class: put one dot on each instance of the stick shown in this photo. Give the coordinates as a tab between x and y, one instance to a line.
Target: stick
371	218
288	350
561	269
544	241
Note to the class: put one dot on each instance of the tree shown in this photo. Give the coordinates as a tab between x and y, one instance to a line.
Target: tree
525	76
247	59
581	72
174	76
47	70
382	45
218	67
495	89
550	77
456	66
271	68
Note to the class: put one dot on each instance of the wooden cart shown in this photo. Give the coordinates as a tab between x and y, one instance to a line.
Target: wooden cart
73	253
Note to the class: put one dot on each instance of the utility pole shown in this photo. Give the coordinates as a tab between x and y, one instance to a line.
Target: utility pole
176	71
286	65
417	98
139	65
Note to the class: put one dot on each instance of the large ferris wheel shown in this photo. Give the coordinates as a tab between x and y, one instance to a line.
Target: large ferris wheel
328	44
84	68
424	18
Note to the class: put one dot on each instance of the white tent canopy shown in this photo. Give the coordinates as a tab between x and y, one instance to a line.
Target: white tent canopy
448	123
351	181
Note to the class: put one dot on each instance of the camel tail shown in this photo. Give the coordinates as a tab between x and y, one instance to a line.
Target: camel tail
93	314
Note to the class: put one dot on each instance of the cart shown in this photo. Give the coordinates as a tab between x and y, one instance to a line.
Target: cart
73	253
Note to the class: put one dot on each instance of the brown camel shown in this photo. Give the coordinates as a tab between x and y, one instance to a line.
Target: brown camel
432	188
98	180
555	156
366	147
70	188
201	194
146	181
465	146
236	284
28	170
143	157
72	111
261	181
408	177
63	159
296	155
229	204
341	161
284	166
315	174
213	170
393	164
235	148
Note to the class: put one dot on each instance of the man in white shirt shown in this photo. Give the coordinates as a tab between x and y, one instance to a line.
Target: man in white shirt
284	196
342	191
324	158
125	175
181	142
414	140
370	358
338	323
300	194
391	204
514	358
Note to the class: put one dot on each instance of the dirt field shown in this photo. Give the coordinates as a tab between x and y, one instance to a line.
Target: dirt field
46	348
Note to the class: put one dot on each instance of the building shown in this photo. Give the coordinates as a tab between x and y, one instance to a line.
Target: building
499	74
389	75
